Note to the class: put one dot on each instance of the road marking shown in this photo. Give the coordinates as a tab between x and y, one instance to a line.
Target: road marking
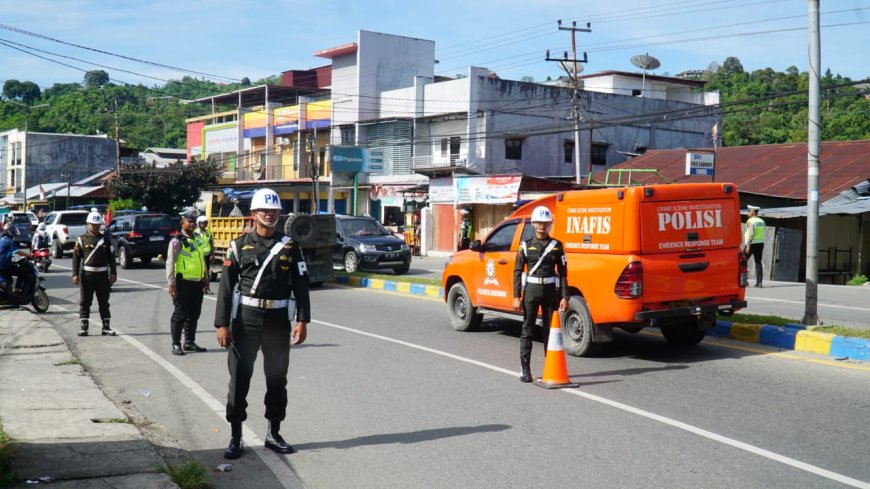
834	306
631	409
283	473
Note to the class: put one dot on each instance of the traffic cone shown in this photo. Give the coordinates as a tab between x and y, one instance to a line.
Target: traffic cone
555	374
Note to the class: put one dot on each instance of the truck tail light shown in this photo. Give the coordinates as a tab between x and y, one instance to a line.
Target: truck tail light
65	231
743	269
629	285
134	234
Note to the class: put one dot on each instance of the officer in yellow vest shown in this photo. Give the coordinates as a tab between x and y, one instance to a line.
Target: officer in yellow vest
187	276
753	240
204	233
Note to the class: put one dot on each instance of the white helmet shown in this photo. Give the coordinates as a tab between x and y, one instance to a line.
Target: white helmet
201	219
41	227
541	214
94	218
265	198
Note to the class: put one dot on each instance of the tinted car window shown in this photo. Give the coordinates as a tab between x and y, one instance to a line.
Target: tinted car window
74	219
363	227
150	223
21	219
500	239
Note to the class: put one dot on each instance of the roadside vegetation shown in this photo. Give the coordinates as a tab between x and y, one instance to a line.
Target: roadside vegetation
778	321
189	475
857	280
7	476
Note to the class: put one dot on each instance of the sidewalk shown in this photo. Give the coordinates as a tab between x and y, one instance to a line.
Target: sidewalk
63	426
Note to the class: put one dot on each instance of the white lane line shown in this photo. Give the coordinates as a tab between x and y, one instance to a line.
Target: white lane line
789	301
630	409
282	471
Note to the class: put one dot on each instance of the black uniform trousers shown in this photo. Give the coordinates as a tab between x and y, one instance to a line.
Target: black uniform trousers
91	283
755	251
188	306
255	329
535	296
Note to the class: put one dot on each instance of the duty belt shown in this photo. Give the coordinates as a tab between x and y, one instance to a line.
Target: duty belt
541	280
264	303
95	269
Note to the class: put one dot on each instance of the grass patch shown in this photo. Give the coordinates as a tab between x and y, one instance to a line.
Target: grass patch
74	361
7	476
189	475
778	321
857	280
394	278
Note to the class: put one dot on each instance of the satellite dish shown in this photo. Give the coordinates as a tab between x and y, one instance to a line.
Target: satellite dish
645	62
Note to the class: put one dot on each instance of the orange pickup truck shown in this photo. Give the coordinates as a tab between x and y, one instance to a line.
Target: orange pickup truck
657	255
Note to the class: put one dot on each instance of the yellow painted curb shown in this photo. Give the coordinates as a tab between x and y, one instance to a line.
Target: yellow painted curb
353	280
376	283
433	290
745	332
403	287
813	342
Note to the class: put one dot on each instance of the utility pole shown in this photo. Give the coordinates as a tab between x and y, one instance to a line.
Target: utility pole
572	71
813	153
117	142
68	180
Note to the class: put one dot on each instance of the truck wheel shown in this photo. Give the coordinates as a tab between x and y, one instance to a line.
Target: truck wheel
58	248
302	229
463	315
684	333
577	328
124	258
351	262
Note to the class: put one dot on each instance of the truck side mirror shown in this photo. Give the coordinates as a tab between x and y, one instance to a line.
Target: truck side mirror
475	245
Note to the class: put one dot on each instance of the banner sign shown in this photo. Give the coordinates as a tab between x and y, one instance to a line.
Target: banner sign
347	159
492	189
441	190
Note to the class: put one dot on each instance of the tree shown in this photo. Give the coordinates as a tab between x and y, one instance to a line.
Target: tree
96	78
167	189
29	91
12	89
731	66
246	82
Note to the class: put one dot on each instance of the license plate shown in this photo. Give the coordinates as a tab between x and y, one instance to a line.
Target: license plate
391	255
156	238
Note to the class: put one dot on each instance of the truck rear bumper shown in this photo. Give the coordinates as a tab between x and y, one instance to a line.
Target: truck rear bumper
697	310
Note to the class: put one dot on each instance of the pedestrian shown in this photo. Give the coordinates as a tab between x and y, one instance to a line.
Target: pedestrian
540	276
93	269
263	288
187	275
205	235
464	230
753	240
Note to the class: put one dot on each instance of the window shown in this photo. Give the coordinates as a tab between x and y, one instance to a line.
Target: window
568	148
640	149
599	153
636	92
513	148
347	136
501	238
445	146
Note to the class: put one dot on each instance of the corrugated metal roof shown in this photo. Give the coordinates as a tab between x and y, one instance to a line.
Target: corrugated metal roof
778	170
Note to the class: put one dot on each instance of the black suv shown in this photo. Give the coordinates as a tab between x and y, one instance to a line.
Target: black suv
363	243
22	222
142	236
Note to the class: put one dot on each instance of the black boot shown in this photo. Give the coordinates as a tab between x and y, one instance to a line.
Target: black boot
107	329
176	349
274	441
84	328
526	375
193	347
235	447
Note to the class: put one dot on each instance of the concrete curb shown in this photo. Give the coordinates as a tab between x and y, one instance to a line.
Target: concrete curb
795	337
789	337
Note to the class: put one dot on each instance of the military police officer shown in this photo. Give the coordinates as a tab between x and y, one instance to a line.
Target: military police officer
264	287
93	268
540	275
204	233
187	275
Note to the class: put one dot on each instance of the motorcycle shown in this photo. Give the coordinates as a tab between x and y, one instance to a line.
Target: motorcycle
42	259
34	292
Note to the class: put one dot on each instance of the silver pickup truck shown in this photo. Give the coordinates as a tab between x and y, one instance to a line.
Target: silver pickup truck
64	227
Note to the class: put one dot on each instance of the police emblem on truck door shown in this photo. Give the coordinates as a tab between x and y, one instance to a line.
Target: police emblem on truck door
490	274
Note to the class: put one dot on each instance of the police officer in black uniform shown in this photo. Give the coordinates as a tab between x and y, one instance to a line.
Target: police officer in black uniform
187	278
263	275
94	268
540	274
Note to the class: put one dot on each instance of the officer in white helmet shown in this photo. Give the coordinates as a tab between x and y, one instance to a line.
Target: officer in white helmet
540	279
262	303
93	269
204	233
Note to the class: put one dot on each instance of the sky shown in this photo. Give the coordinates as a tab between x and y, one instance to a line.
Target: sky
226	40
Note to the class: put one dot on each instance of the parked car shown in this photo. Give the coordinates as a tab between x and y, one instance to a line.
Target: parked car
22	221
363	243
31	218
142	236
64	227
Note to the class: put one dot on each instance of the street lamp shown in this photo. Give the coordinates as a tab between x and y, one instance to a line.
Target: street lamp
27	109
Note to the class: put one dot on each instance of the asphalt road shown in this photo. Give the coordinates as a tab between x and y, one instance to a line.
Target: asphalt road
385	394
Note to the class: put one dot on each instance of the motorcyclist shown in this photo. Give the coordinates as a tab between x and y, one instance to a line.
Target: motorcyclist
9	270
41	240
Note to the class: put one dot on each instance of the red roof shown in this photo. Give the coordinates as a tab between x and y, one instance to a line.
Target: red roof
778	170
331	53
